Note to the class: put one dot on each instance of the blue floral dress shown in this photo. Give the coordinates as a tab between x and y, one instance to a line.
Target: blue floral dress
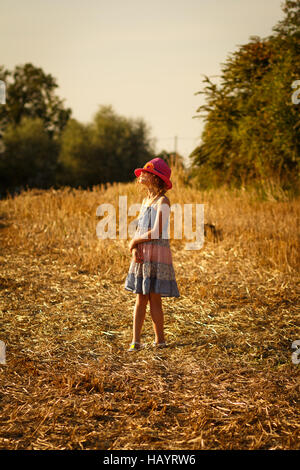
155	273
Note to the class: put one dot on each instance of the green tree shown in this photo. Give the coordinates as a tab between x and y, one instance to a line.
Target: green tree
107	149
122	143
77	155
29	157
31	92
251	127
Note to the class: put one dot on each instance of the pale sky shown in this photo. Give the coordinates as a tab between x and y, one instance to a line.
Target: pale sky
146	58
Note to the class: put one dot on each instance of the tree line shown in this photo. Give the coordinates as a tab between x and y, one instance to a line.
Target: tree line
251	125
42	145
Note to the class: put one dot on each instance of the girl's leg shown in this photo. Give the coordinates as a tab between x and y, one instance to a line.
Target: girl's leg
139	316
157	317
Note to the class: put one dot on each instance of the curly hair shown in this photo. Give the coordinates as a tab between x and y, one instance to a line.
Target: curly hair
157	184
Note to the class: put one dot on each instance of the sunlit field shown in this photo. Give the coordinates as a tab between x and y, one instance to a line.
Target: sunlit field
227	379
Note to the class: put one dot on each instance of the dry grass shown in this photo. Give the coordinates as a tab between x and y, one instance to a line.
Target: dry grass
226	381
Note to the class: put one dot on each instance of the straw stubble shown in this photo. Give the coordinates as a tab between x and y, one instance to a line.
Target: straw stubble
226	381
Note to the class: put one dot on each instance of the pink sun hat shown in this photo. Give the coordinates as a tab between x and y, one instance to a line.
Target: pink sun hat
158	167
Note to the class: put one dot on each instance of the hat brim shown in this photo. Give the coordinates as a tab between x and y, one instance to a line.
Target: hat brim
138	171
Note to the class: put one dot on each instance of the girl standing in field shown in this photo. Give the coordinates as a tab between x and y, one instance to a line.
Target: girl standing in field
151	273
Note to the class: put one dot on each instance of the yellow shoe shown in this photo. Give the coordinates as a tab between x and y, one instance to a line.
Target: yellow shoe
134	347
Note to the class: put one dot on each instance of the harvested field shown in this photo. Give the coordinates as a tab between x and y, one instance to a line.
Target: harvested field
227	379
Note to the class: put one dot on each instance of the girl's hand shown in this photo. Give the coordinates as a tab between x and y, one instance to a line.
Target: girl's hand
136	256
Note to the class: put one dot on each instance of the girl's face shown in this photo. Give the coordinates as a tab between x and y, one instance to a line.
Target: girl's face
145	178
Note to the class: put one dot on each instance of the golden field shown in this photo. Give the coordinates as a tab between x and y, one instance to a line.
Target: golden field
227	379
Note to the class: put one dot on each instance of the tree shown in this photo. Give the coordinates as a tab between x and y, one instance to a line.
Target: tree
31	92
107	149
29	157
251	127
121	142
77	155
290	25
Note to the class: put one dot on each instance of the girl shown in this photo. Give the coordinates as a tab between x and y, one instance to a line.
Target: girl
151	273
